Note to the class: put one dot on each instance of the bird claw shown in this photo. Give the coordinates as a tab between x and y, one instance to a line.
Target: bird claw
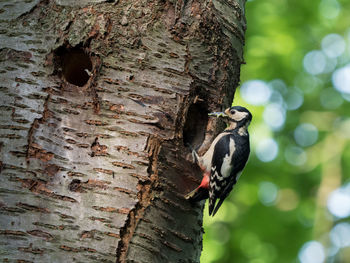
194	159
193	153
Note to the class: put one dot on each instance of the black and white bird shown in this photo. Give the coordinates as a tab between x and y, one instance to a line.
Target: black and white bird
225	159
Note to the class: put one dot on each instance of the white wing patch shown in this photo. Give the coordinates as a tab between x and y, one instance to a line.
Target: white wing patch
226	166
207	158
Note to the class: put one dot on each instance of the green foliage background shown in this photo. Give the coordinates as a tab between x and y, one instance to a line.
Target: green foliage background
278	206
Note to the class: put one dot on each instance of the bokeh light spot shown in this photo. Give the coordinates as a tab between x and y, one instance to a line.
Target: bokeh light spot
330	99
314	62
250	244
340	235
329	9
287	200
274	115
267	150
220	232
276	97
255	92
331	64
312	252
338	202
341	79
308	83
346	96
295	155
305	134
294	99
333	45
267	193
279	85
306	213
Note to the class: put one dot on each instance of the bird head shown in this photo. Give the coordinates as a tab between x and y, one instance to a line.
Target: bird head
236	114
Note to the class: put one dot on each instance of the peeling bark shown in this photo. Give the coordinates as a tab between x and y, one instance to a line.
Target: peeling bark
98	101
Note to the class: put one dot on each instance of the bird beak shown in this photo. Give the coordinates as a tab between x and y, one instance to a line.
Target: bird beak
218	114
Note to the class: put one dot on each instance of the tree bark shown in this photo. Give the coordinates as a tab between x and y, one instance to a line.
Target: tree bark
98	101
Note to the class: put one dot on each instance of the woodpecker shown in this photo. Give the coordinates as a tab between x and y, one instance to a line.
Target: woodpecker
225	159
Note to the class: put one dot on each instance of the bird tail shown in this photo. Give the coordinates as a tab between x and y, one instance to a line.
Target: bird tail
214	208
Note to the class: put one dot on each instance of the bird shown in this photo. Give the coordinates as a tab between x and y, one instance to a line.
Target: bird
225	159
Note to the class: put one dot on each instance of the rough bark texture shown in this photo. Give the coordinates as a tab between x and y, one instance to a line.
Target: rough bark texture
98	99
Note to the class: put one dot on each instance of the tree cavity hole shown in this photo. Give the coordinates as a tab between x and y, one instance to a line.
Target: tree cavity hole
195	125
76	66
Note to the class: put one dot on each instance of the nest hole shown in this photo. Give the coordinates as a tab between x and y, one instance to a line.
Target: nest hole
195	125
75	64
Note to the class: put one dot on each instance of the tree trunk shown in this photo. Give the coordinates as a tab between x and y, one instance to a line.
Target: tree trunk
98	101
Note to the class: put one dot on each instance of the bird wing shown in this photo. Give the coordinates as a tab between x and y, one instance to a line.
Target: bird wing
230	156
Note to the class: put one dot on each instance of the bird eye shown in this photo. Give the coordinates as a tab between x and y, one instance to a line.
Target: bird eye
232	112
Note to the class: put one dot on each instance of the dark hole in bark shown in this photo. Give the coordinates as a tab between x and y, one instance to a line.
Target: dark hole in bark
196	124
76	65
75	185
